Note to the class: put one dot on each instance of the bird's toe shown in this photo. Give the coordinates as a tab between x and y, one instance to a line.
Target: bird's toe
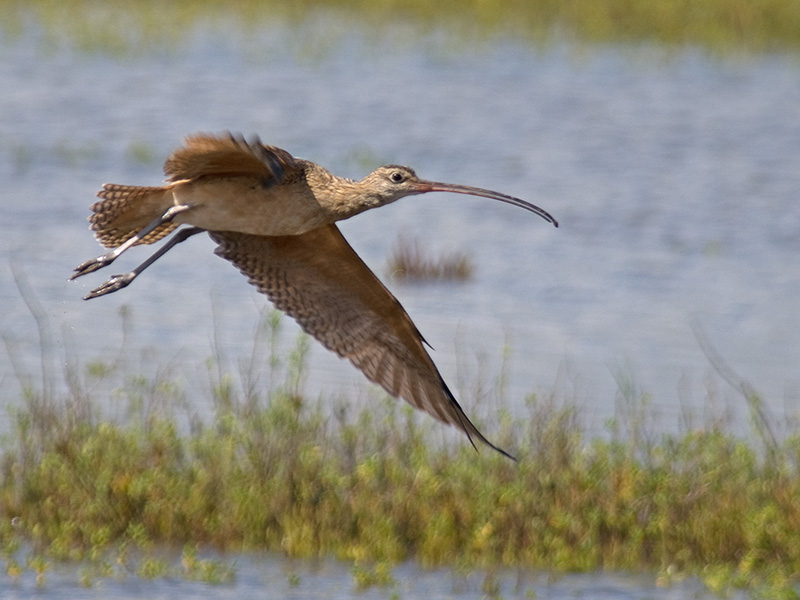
115	283
90	266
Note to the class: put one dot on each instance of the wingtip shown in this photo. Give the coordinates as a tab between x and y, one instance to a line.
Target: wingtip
492	446
499	449
469	428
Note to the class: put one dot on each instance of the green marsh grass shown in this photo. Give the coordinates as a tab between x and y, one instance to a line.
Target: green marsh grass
272	470
718	25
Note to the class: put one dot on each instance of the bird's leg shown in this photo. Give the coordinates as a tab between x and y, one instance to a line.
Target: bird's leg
106	259
117	282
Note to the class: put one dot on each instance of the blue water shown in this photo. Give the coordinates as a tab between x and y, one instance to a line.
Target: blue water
674	176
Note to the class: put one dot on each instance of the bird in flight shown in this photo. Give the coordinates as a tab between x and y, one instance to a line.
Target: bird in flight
274	217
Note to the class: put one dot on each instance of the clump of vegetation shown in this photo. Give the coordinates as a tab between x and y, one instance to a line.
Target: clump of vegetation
727	25
409	263
274	471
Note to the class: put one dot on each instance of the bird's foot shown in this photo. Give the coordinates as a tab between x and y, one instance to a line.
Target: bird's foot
92	265
114	284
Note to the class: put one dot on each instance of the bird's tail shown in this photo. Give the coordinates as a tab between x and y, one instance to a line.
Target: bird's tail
124	210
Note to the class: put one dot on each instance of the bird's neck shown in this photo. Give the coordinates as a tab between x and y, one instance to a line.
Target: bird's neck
341	197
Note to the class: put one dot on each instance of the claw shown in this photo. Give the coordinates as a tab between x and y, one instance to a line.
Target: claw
115	283
91	265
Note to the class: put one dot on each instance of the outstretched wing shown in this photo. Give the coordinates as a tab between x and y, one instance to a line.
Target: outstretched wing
319	280
228	155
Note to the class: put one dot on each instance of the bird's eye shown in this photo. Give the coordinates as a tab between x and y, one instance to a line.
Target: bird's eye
396	177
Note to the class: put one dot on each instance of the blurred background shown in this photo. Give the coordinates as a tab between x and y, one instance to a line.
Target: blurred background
664	137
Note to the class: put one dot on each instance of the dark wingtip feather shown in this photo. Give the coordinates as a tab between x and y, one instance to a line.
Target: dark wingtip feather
469	428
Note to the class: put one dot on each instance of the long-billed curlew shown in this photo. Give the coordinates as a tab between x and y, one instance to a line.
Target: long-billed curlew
273	216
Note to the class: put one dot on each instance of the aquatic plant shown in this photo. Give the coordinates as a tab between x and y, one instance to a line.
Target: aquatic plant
409	262
276	471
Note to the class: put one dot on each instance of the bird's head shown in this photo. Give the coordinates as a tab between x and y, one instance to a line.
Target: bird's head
389	183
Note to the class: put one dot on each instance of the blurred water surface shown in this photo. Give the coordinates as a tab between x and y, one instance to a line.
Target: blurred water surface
674	178
292	579
305	580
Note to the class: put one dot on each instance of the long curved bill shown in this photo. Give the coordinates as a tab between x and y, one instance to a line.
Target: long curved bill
436	186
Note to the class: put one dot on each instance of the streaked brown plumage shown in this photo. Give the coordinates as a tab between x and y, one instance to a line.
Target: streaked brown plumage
272	216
